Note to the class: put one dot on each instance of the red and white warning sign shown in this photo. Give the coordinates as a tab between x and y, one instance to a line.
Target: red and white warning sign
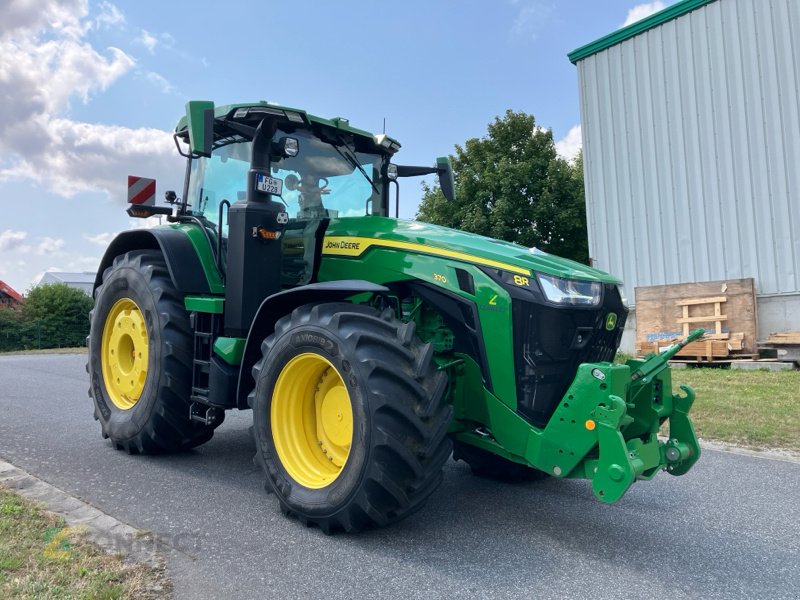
141	190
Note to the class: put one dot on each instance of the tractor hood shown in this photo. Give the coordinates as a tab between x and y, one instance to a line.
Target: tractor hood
354	235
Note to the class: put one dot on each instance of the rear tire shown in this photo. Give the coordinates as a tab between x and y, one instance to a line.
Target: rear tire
353	356
491	466
149	411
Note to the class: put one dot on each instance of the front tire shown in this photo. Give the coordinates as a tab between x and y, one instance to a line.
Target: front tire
350	417
140	357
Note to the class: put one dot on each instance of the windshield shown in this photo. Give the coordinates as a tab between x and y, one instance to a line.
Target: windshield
324	180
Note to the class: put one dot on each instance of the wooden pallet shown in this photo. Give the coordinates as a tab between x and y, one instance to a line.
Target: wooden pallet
717	318
699	350
714	344
786	345
790	338
705	349
726	309
720	361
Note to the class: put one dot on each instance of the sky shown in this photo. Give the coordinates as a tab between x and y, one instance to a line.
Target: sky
91	90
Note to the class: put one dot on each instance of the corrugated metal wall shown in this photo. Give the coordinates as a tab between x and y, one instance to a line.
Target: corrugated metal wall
691	136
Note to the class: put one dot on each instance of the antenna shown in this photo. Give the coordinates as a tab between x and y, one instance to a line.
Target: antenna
384	124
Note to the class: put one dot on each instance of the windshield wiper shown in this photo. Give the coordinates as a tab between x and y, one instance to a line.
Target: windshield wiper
353	160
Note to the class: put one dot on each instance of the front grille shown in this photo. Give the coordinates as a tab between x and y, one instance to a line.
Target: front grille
549	344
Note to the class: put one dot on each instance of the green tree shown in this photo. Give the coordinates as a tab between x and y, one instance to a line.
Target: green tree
59	314
512	185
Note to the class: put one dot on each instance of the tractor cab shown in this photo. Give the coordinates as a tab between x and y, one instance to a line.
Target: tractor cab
313	180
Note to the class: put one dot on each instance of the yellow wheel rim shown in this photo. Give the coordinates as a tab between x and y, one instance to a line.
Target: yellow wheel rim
312	420
123	355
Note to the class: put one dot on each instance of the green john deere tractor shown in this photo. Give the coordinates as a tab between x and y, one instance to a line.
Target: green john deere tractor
368	347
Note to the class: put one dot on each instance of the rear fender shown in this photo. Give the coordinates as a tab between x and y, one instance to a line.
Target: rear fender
180	254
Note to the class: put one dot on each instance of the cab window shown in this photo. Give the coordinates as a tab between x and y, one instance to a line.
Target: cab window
223	176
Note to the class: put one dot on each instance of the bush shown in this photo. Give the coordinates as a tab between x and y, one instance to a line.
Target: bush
12	329
52	316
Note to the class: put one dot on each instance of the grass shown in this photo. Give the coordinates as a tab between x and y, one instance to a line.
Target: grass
759	409
79	350
42	558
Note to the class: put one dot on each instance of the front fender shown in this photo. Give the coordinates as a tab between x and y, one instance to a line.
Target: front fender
283	303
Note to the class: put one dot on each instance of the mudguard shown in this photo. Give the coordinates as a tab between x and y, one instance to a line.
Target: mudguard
283	303
183	261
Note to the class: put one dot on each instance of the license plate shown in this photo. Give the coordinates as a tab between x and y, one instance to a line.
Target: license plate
270	185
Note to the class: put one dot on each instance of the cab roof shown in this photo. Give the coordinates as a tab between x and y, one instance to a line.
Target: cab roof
295	115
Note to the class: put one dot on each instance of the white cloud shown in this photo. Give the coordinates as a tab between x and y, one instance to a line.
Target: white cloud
46	64
532	17
49	245
148	223
165	86
569	146
148	40
11	240
110	16
167	40
25	16
40	77
81	157
640	11
152	41
84	263
101	239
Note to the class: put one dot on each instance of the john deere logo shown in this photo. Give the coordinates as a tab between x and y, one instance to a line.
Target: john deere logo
611	321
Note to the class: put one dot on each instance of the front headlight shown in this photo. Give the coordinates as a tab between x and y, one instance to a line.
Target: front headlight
570	292
621	290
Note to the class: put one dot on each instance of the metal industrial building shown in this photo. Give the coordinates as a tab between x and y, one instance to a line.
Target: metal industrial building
80	281
691	136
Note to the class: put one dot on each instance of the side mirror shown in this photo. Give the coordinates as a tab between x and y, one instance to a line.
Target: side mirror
446	182
200	117
443	168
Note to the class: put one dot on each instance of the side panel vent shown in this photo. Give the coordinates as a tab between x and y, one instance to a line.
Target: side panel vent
465	281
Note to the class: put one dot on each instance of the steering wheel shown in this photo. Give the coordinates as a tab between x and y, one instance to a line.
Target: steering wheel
323	186
293	182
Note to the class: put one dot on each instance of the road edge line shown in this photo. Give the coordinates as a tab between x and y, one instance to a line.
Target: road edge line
778	454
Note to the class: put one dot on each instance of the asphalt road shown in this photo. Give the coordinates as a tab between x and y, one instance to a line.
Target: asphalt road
729	529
